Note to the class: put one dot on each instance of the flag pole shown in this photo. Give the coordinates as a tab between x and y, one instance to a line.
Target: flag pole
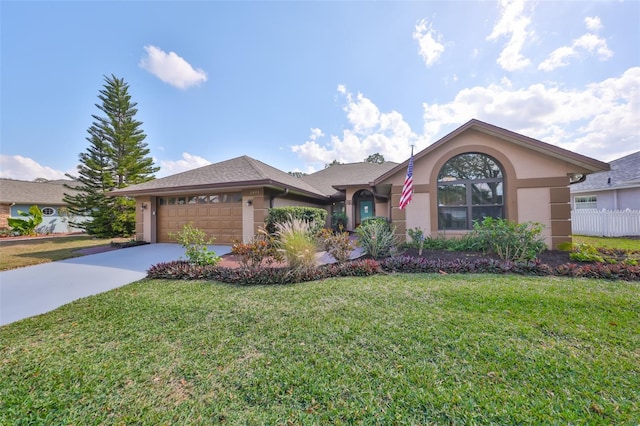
407	188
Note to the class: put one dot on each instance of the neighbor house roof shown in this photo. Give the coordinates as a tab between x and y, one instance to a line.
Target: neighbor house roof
624	173
40	193
339	176
236	173
570	157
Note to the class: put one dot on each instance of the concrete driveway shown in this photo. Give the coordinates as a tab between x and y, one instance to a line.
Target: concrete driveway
34	290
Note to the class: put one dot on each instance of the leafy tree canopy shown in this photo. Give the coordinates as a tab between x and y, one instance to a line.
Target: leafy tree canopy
376	158
333	163
297	174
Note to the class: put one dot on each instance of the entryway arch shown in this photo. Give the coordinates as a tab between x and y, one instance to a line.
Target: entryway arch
364	206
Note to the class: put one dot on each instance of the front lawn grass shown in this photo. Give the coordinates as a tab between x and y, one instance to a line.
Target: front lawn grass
19	253
387	349
608	242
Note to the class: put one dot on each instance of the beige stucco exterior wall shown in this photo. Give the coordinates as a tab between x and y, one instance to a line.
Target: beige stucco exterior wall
528	173
143	219
417	216
247	218
530	202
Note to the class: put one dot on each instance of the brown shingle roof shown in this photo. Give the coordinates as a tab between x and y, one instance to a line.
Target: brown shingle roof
40	193
343	175
238	172
624	173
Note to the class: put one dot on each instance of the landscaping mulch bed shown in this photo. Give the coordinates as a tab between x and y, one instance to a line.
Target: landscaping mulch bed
552	258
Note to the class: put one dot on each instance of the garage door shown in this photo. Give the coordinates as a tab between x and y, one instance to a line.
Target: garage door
219	216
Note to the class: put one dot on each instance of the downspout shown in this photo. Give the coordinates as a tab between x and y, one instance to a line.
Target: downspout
272	197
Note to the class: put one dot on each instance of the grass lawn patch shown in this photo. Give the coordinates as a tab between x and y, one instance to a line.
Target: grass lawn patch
608	242
19	253
386	349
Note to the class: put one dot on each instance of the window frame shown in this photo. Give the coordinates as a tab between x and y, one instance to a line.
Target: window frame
464	222
53	211
580	205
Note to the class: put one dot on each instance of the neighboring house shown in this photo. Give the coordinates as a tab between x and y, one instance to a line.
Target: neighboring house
477	170
19	195
614	189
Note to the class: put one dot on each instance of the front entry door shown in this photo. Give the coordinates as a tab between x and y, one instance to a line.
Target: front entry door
366	209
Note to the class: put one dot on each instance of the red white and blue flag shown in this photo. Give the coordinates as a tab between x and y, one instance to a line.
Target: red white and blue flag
407	188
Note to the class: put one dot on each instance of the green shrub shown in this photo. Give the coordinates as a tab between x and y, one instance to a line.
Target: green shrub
468	242
317	218
296	241
260	251
417	238
510	240
566	246
195	245
586	253
27	224
337	244
339	221
376	237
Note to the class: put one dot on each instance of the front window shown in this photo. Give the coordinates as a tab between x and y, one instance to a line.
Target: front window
48	211
470	187
586	202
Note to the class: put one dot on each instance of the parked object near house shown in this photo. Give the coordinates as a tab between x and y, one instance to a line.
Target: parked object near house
47	195
476	171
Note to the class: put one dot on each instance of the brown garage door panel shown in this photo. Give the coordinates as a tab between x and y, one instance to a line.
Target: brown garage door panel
223	222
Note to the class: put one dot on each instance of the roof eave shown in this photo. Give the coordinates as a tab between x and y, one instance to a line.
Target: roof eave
229	186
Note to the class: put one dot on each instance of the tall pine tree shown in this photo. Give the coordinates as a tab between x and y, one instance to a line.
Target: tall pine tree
117	157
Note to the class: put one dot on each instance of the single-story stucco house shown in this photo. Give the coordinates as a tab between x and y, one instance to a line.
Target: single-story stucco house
20	195
475	171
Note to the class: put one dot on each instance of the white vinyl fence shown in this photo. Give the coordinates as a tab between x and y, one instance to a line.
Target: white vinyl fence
605	223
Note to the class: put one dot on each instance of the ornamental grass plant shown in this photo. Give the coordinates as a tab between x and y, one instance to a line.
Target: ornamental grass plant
296	240
377	237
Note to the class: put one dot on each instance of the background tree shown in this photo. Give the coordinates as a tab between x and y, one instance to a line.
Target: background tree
376	158
117	157
297	174
333	163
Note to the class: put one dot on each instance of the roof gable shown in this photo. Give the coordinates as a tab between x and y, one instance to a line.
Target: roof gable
570	157
237	172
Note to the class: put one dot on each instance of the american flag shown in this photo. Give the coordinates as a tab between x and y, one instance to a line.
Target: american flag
407	188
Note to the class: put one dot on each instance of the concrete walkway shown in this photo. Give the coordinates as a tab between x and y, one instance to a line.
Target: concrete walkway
34	290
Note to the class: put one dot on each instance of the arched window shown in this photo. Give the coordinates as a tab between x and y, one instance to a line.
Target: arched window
470	187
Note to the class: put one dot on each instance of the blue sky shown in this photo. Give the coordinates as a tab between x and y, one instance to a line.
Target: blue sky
299	84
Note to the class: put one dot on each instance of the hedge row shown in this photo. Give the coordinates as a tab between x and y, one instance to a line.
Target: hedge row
183	270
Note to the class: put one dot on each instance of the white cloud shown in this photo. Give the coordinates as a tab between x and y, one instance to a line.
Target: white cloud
429	45
171	68
598	121
188	162
371	132
513	23
24	168
589	42
593	24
